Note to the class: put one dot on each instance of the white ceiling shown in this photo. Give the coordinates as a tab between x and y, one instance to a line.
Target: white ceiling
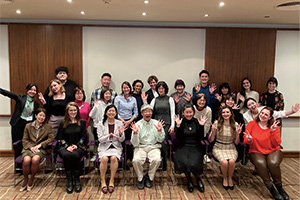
158	11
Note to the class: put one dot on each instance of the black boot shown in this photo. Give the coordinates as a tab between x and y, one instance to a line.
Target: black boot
200	184
189	182
282	192
77	181
275	193
69	186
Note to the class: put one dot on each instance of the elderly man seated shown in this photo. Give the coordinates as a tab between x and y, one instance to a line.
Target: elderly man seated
146	138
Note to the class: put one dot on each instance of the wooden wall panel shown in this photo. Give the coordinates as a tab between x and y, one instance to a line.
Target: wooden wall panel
36	50
234	53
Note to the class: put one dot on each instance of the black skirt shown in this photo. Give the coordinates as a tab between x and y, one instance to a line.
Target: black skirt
188	159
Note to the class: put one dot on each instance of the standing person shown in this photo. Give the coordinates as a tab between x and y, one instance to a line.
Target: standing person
180	97
72	145
147	136
105	83
140	96
127	112
152	93
164	109
57	100
23	113
208	90
188	157
84	107
224	91
272	98
111	135
37	136
62	75
227	133
263	137
245	93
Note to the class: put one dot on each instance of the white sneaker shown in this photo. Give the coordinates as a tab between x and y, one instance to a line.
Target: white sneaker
93	158
206	158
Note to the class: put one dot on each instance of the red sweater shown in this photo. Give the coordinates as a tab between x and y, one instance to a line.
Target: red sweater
263	140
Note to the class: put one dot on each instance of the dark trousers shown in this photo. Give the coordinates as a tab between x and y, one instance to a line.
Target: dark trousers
71	159
268	163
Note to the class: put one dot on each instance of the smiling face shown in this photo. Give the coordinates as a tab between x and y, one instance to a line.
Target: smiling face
153	84
72	112
246	84
188	113
138	87
271	86
107	96
62	76
201	102
40	117
230	102
32	91
224	91
111	113
125	89
105	81
161	91
180	89
79	95
264	116
204	78
55	87
251	105
147	114
226	114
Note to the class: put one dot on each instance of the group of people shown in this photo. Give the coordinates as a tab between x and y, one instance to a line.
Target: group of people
147	119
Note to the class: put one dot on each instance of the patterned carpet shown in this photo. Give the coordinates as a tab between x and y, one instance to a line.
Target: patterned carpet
52	186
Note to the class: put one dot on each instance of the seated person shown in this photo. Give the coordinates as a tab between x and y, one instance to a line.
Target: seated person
147	135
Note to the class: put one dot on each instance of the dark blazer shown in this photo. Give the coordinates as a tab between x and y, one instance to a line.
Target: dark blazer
19	107
45	137
150	95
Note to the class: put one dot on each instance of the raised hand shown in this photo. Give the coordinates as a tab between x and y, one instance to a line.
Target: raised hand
144	96
236	107
122	129
295	108
134	127
41	98
177	120
274	125
160	125
212	88
213	128
176	98
238	130
202	120
95	101
188	97
248	136
197	87
218	97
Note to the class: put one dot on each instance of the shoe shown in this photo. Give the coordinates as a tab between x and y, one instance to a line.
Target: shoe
225	187
282	192
148	182
69	185
77	181
29	188
104	189
207	159
23	188
231	187
200	185
93	158
47	171
190	186
111	189
141	184
275	193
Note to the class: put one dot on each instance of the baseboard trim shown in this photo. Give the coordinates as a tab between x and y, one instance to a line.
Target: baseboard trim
291	154
7	153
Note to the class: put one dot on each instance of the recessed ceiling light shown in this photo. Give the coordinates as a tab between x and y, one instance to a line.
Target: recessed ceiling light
146	1
144	14
82	12
70	1
206	15
221	4
18	11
